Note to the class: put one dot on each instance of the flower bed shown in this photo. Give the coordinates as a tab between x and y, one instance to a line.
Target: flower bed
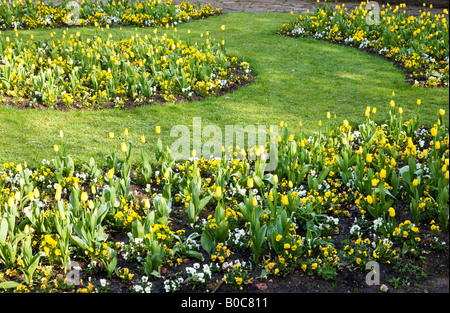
101	71
419	45
28	14
338	199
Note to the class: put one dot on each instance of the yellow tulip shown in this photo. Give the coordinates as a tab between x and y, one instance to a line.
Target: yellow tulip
58	193
250	183
143	139
415	182
437	145
84	196
441	112
158	129
391	212
369	158
383	174
254	201
110	174
222	28
11	202
111	135
434	131
284	200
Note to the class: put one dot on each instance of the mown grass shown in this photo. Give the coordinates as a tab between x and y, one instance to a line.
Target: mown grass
297	80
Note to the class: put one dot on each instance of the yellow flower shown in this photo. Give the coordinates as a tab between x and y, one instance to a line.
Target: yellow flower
275	179
111	135
84	196
219	192
158	129
369	199
441	112
369	158
254	201
56	148
415	182
287	246
391	212
11	202
222	28
278	238
250	183
437	145
383	174
58	193
314	266
392	103
110	173
143	139
124	147
419	102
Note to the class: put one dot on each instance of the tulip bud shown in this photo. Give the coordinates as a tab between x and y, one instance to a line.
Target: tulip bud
123	147
284	200
254	201
391	212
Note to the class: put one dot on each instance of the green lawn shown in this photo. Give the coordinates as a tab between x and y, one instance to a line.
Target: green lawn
297	80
